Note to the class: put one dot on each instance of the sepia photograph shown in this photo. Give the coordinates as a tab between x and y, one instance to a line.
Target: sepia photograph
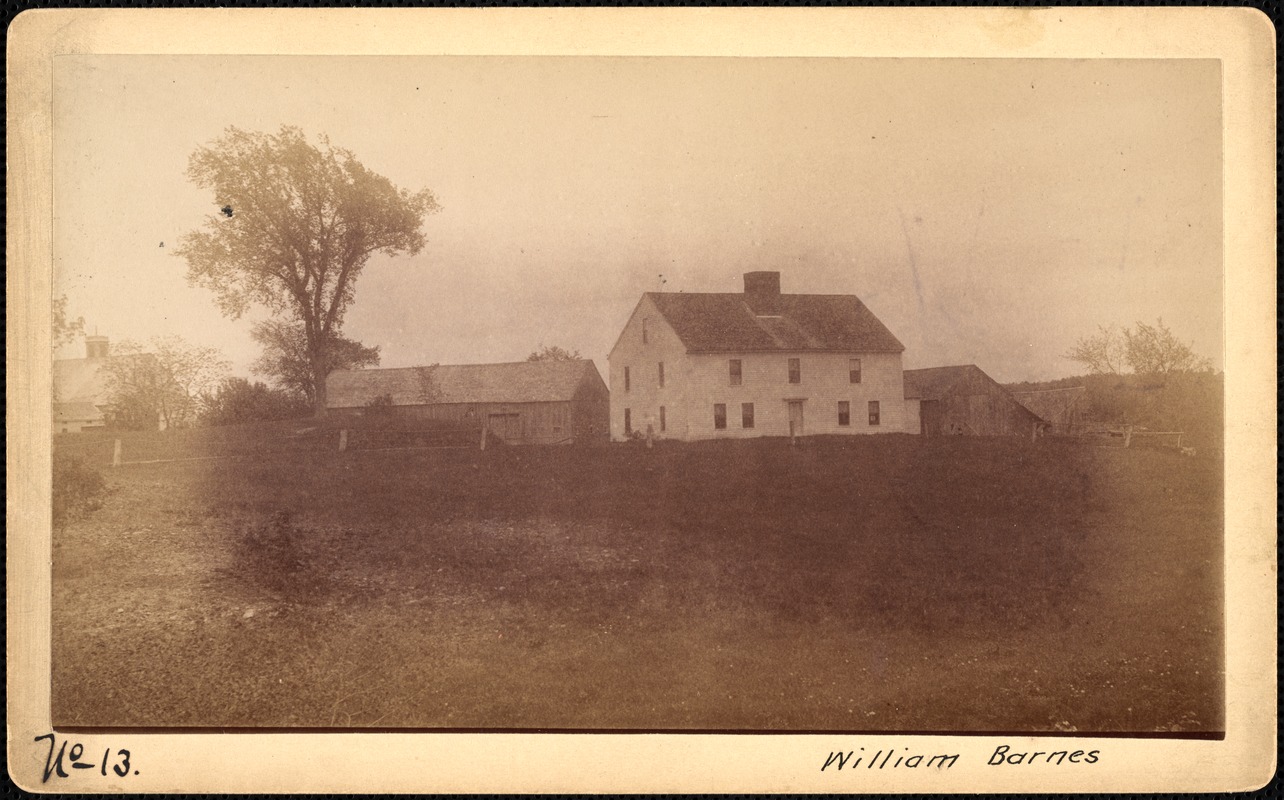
876	405
638	394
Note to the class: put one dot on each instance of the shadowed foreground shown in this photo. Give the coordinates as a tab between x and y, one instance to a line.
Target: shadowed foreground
864	583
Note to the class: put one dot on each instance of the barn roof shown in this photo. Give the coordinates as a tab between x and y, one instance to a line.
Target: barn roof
724	323
517	382
1054	405
936	382
76	411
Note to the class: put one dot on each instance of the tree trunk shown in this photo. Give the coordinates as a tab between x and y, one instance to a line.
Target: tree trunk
318	392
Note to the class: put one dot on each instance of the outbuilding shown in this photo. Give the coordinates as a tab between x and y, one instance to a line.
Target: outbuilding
963	400
525	402
1062	408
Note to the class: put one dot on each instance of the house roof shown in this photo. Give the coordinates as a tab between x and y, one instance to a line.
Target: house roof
936	382
76	411
517	382
84	379
1051	404
724	323
79	379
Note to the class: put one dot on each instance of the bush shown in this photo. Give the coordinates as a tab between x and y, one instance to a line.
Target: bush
238	401
78	489
269	554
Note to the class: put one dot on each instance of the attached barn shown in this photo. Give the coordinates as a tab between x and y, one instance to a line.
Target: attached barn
527	402
963	400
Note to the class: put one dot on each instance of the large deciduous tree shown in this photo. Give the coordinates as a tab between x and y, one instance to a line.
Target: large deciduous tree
288	361
295	224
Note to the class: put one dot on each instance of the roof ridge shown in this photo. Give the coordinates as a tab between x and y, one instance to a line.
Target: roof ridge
488	364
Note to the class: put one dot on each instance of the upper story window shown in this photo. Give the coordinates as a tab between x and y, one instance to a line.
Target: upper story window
720	415
644	336
660	373
844	412
734	367
853	370
626	379
795	371
873	412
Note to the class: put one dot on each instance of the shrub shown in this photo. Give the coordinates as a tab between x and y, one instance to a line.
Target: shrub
78	489
237	400
269	554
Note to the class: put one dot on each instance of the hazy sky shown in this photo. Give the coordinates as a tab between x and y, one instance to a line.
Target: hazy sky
988	211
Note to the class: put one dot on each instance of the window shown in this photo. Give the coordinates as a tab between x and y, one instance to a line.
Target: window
844	412
853	370
734	365
660	372
661	419
795	371
626	379
746	415
628	423
644	320
720	415
873	412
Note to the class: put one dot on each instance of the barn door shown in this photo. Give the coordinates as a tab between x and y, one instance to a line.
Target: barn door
507	427
796	417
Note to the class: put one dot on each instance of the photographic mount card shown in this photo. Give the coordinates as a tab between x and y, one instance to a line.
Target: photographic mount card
674	563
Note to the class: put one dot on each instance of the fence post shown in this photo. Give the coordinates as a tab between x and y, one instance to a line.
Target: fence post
343	439
1128	436
115	454
483	435
1034	431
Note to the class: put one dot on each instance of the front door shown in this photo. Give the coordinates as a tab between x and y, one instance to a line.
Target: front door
795	417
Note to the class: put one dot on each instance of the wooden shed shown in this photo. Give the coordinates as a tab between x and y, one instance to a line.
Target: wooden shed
526	402
963	400
1061	408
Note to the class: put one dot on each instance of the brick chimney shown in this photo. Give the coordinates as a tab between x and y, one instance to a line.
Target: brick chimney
762	293
96	347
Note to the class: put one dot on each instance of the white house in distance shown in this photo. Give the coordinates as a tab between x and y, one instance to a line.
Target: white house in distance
707	366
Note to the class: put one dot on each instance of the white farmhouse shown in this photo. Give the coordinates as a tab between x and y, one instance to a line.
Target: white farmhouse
706	366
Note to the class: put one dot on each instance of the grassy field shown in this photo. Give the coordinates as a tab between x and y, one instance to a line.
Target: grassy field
864	583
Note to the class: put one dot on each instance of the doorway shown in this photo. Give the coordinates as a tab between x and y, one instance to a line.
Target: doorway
795	417
507	427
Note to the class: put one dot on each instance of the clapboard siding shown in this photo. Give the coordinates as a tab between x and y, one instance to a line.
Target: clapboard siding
762	329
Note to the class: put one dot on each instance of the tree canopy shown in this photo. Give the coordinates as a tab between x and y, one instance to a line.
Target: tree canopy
294	225
287	361
237	400
1154	350
65	328
162	383
1145	349
554	353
